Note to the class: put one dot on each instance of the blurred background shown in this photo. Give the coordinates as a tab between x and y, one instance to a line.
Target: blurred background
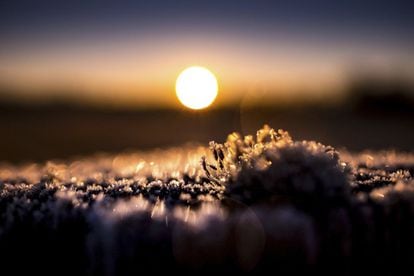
81	77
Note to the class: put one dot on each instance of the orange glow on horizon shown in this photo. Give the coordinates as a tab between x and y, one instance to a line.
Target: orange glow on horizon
140	73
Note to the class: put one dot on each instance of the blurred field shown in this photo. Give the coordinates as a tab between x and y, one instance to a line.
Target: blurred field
43	132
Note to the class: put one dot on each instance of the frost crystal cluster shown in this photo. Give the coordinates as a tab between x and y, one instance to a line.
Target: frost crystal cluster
273	167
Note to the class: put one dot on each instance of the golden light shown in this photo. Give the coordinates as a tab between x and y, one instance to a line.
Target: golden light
196	87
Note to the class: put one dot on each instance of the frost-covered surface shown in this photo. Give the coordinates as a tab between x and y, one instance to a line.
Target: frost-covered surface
247	205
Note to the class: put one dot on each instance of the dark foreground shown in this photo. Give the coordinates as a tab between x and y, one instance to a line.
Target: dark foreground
254	204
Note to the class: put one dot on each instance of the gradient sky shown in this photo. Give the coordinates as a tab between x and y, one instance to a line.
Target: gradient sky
132	51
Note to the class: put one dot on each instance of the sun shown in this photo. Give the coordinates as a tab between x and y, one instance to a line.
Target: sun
196	87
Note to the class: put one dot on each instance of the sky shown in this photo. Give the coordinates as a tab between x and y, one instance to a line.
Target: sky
131	52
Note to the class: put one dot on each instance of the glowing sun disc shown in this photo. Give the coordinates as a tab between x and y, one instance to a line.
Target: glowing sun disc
196	87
